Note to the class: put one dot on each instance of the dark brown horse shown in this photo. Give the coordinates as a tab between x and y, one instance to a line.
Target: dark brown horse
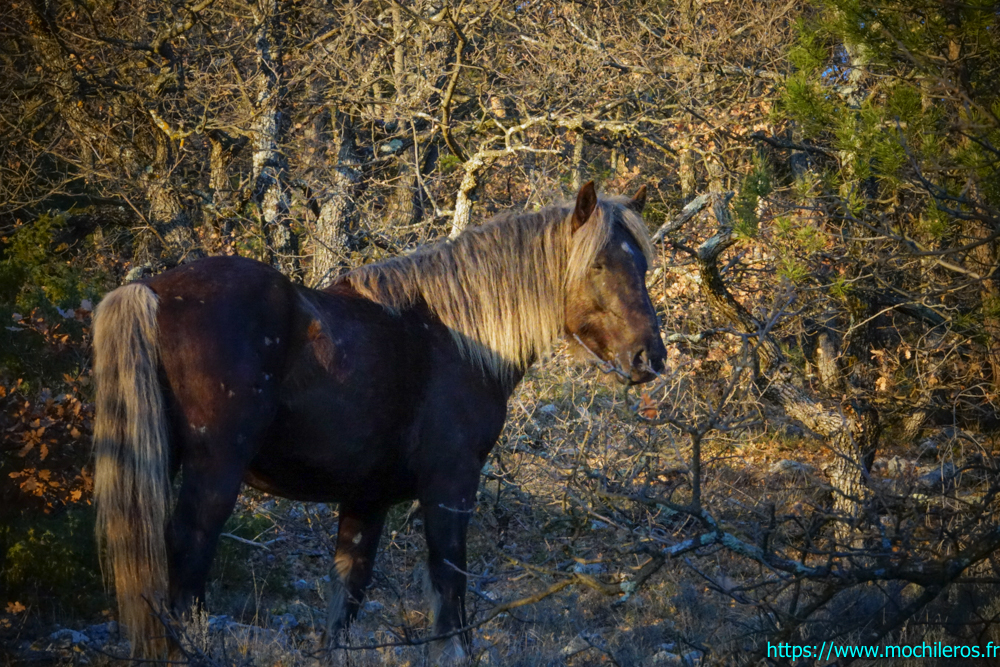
390	385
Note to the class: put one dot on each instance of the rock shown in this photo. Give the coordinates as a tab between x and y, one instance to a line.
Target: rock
664	658
220	622
486	653
372	606
65	638
898	466
577	645
102	633
941	477
692	658
284	621
793	431
138	273
549	409
306	615
949	434
590	568
928	449
669	659
790	467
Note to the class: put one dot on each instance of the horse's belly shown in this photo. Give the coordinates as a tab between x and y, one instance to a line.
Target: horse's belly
303	482
336	455
351	479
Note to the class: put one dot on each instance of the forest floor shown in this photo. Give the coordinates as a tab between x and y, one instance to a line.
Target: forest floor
530	530
537	523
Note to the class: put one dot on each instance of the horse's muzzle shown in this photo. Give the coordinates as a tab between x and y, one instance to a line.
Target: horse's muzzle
647	363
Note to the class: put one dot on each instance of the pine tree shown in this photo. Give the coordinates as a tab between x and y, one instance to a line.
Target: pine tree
908	95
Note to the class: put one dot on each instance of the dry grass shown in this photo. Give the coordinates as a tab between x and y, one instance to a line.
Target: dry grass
553	513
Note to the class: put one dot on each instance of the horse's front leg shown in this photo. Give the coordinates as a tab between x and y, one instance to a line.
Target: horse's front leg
357	542
446	517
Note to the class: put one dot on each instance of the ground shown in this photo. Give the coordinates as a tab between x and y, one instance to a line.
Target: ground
548	525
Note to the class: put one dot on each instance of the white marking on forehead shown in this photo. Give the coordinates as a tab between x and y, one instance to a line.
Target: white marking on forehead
627	248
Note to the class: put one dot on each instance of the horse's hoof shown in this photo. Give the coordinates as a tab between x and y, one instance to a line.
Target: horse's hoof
335	638
448	653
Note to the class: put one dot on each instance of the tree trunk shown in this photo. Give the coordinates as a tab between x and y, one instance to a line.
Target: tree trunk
338	211
716	175
467	191
799	163
826	360
686	173
689	10
851	429
270	169
578	164
222	150
915	420
860	339
403	206
174	238
171	221
408	201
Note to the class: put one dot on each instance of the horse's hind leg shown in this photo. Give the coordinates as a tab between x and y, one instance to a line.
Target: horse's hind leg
205	501
213	464
357	542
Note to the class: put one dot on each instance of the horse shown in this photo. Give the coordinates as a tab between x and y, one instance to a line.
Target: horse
390	385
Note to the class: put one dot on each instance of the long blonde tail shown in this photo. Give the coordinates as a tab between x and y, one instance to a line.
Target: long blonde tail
132	458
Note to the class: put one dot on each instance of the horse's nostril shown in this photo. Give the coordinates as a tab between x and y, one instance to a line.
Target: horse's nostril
639	360
659	363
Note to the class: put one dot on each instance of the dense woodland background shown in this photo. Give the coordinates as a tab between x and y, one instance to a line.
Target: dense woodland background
818	461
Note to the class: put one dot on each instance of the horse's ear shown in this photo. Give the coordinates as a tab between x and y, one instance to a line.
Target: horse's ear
638	200
586	202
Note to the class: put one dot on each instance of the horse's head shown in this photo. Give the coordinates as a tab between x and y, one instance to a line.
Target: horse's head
608	310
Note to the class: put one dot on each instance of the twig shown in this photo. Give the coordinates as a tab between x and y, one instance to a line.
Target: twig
604	366
261	545
630	588
691	209
496	611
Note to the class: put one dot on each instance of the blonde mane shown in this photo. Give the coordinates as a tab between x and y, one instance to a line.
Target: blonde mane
500	288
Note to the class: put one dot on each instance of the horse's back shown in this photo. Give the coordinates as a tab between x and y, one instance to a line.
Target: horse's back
230	303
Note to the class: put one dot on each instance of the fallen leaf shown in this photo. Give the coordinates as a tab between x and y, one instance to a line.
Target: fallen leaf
647	407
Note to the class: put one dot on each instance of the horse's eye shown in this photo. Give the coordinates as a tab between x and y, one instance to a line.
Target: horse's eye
597	267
